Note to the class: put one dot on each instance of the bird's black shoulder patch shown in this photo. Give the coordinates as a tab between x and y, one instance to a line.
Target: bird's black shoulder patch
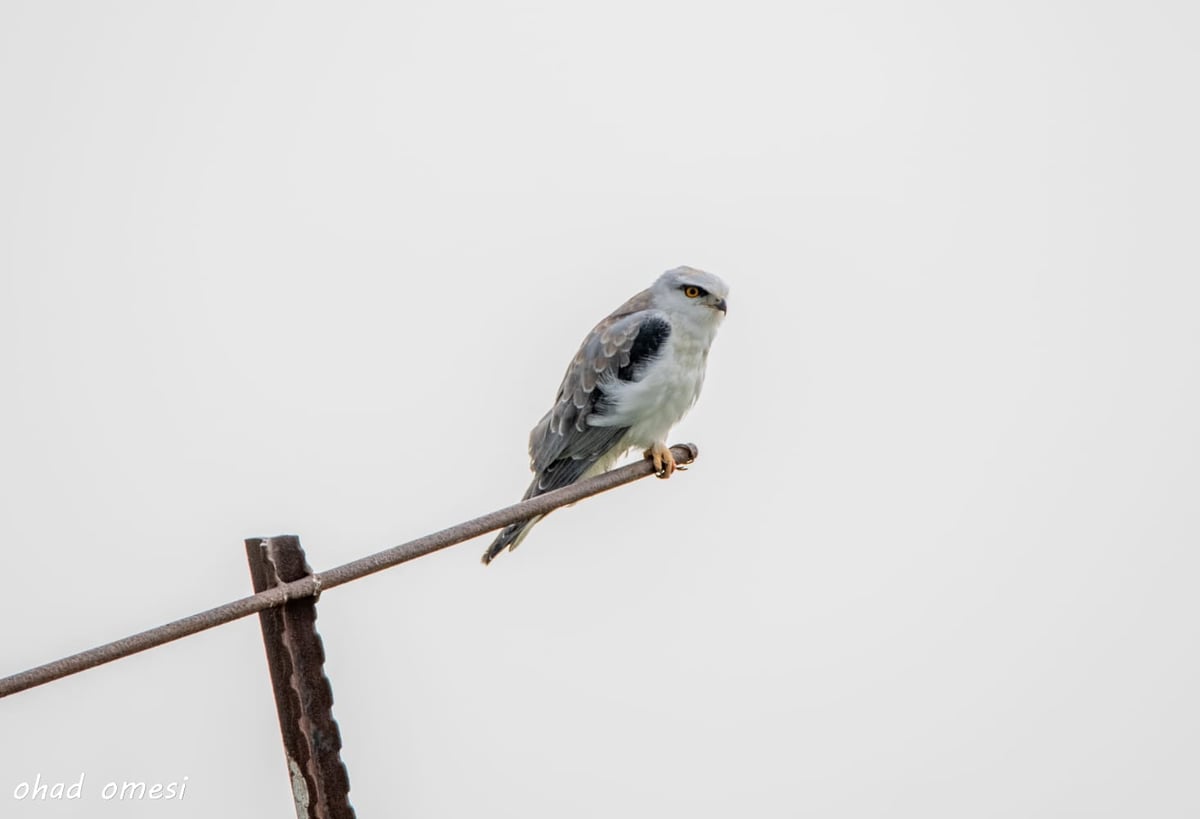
647	346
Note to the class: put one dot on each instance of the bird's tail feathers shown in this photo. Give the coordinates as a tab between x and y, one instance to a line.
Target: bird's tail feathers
510	537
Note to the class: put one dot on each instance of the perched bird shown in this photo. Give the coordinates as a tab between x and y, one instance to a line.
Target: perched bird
635	376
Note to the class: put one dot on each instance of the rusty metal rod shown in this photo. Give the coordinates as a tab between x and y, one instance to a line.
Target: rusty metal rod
312	741
314	584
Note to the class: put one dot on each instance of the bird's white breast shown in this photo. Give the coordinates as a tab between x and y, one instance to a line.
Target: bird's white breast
667	390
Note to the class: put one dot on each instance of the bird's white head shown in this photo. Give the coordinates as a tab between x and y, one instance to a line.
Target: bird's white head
686	291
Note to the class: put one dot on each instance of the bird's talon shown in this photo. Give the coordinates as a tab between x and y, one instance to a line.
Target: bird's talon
664	462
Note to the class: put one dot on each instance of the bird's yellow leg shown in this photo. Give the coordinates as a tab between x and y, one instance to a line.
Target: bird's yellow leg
664	461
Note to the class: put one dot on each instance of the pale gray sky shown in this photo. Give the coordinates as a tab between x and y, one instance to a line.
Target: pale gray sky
277	267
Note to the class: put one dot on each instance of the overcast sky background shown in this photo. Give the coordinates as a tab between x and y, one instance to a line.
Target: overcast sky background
277	267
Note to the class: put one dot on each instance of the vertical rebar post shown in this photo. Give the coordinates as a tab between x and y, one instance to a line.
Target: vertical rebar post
303	696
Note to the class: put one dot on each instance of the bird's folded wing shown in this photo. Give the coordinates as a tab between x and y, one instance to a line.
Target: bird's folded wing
619	348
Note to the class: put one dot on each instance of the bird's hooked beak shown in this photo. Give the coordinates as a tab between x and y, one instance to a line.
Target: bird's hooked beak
720	305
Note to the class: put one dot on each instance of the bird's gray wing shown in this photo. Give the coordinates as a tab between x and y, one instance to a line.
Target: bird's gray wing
564	445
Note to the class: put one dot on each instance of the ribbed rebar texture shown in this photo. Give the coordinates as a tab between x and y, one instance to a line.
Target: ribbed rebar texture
312	741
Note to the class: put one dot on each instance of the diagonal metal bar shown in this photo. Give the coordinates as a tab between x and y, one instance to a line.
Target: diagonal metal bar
313	584
303	695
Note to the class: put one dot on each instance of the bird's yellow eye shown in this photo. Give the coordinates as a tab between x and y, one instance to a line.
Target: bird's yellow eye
691	291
